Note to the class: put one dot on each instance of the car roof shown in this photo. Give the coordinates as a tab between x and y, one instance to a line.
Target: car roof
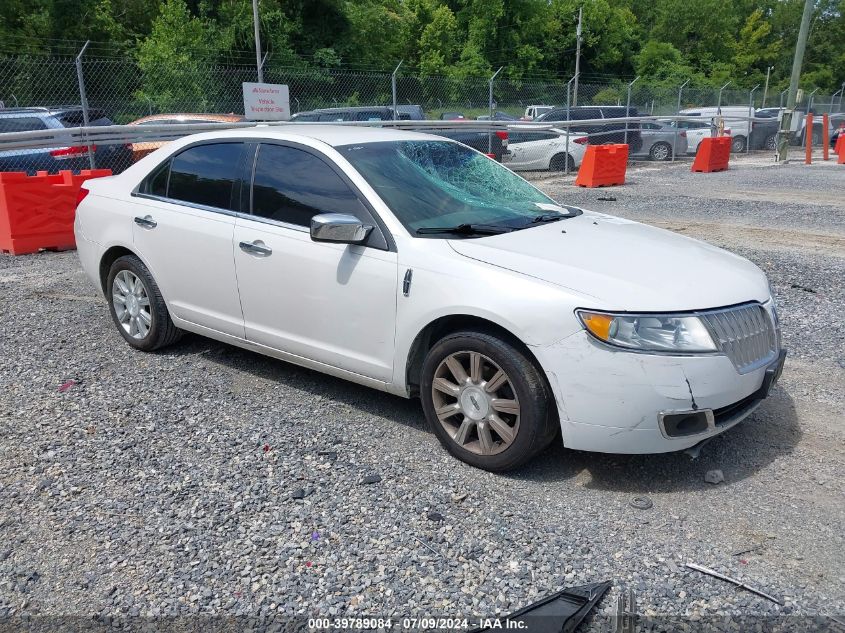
334	135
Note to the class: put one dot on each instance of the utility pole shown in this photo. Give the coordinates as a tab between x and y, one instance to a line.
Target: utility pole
766	89
257	42
577	57
798	60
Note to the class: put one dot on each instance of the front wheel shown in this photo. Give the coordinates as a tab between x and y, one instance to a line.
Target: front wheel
738	144
137	307
486	401
660	151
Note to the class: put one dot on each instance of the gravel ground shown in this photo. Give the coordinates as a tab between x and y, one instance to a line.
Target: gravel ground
208	480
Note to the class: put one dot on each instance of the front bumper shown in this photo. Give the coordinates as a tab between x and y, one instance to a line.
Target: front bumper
613	401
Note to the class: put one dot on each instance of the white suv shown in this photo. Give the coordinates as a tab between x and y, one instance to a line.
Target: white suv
416	265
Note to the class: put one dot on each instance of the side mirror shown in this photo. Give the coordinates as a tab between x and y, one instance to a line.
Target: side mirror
338	227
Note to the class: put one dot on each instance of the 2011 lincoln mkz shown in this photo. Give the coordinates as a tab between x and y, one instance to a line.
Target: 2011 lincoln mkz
415	265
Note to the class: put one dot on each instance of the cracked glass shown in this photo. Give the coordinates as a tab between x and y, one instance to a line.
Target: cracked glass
444	184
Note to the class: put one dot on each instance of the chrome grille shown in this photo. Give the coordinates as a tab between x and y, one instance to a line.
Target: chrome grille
745	334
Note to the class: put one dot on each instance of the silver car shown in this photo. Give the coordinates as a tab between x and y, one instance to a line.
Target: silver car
659	141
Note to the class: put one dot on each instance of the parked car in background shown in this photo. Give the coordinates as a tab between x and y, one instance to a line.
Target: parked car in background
736	119
452	116
414	265
599	133
142	148
114	156
497	116
695	130
545	150
535	111
495	143
661	141
764	135
837	128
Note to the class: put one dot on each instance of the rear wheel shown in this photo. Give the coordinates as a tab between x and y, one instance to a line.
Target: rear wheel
137	307
771	142
660	151
486	401
561	162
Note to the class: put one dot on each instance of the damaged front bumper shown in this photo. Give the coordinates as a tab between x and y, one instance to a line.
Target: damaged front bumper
620	402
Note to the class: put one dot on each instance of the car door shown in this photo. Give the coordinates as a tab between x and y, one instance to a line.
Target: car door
331	303
184	222
695	132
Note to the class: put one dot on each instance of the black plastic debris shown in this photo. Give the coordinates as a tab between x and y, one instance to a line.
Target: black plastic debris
607	198
561	612
435	516
371	479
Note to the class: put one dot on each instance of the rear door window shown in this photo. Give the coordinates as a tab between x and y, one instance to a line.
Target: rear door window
206	175
21	124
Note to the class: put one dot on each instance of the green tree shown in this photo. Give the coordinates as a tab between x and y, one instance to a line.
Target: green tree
175	58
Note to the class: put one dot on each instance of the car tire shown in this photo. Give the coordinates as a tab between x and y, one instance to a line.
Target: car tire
660	151
486	401
771	142
738	144
137	307
562	162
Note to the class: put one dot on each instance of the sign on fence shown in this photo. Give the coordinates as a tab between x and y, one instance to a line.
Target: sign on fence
266	102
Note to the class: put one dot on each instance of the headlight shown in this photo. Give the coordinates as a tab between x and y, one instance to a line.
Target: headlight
649	332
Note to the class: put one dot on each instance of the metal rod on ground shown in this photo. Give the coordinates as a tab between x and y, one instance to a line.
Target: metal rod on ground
628	107
738	583
678	112
83	98
766	89
257	42
798	60
751	114
577	57
490	104
393	88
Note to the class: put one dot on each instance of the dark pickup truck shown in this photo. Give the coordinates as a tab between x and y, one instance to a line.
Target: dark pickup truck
495	143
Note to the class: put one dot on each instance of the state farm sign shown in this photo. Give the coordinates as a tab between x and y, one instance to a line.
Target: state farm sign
266	102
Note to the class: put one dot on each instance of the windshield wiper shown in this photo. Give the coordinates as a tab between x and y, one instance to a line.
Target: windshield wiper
465	229
554	216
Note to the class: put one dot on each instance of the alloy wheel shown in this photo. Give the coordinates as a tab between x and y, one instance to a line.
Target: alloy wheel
131	304
475	403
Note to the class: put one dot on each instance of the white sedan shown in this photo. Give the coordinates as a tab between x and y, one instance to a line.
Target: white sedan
416	265
544	150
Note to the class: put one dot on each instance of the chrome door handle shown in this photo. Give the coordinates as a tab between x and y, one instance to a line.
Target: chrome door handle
146	222
256	248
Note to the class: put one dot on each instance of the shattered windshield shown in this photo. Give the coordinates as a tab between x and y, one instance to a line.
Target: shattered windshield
432	184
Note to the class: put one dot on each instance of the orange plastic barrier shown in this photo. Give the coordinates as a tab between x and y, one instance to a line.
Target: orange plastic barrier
840	144
713	154
603	165
841	159
38	211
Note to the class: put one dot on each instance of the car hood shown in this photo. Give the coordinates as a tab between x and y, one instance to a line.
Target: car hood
617	264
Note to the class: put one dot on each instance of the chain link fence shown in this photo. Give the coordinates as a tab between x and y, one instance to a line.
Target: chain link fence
124	91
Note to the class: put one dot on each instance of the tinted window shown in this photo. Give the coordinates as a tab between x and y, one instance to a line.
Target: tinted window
304	117
21	124
292	186
205	174
157	181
